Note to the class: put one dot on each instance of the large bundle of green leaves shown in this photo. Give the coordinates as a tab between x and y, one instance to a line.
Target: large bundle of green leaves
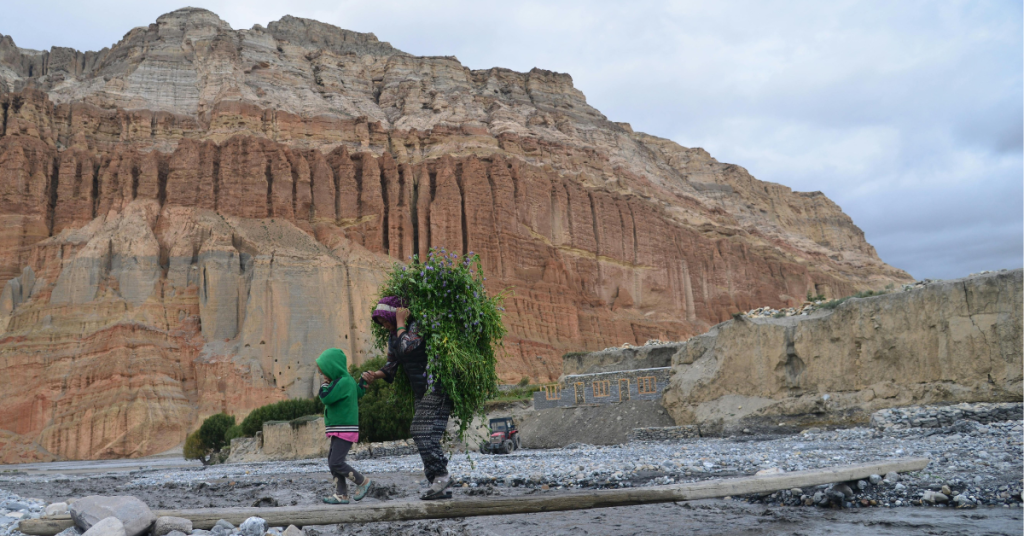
385	411
284	410
459	321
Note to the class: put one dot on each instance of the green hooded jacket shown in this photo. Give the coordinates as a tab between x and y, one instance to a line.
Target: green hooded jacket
341	395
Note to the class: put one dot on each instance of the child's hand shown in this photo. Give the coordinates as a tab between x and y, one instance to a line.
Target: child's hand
368	376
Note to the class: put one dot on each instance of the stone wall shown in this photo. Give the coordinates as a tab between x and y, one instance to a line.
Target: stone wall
665	433
940	416
603	388
305	438
946	342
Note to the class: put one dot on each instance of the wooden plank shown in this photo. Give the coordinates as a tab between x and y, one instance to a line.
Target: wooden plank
205	518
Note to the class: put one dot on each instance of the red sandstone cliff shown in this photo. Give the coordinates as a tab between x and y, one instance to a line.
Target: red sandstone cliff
192	215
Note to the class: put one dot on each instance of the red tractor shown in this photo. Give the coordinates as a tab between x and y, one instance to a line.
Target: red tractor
504	437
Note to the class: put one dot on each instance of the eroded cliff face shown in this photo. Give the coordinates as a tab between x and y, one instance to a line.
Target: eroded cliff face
192	215
948	342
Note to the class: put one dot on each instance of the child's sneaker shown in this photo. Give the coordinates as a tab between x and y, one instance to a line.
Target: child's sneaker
362	489
336	499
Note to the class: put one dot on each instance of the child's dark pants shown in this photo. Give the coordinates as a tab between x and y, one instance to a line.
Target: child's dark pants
339	467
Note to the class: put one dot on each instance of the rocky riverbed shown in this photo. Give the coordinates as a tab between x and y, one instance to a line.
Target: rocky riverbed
974	482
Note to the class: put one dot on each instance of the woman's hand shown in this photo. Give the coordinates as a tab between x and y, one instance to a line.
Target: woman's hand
402	315
369	376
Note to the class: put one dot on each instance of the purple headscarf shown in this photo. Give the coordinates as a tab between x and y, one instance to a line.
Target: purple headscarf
385	311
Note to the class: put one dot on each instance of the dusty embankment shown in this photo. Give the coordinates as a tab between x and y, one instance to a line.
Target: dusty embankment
945	342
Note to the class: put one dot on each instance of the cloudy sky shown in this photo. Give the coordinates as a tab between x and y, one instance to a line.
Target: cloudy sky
907	114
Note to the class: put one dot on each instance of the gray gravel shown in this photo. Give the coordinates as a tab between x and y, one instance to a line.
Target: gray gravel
975	467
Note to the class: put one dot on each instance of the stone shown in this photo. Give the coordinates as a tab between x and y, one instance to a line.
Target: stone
875	479
108	526
945	490
54	509
165	524
844	489
70	531
253	526
132	513
862	485
176	533
15	505
292	530
892	477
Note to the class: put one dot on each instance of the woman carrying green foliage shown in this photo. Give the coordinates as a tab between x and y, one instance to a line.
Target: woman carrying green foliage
340	395
446	355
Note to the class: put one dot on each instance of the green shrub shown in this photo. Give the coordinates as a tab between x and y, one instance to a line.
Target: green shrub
833	303
779	314
385	412
284	410
211	432
233	433
194	448
814	298
524	381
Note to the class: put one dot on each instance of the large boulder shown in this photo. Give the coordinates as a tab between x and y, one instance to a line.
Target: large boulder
130	511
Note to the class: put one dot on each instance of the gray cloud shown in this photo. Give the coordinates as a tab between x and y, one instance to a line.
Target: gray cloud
907	114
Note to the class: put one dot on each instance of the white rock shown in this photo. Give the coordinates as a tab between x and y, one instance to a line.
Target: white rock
254	526
108	526
56	509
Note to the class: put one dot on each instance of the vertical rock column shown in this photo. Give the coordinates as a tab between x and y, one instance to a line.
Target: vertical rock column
74	191
26	174
446	210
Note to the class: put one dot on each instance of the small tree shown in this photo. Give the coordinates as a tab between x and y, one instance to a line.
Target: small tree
212	431
194	448
233	433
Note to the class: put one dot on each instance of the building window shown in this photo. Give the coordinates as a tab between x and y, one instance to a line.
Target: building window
601	388
579	392
553	392
647	385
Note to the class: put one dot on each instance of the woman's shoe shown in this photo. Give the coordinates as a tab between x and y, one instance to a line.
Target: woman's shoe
438	490
336	499
362	489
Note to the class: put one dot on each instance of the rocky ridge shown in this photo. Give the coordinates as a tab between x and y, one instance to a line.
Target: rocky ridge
193	214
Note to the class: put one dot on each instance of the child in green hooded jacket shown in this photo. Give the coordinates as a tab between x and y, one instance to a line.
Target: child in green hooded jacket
340	395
